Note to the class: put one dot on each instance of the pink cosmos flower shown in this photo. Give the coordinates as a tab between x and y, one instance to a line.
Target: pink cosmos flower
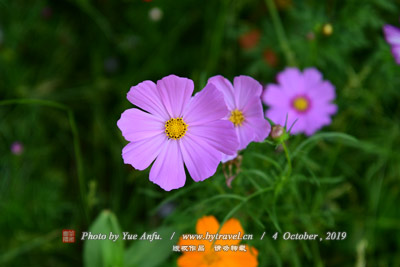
245	109
392	35
176	129
304	97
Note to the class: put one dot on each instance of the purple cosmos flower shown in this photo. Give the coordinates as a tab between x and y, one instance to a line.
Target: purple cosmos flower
174	129
304	97
246	113
392	35
17	148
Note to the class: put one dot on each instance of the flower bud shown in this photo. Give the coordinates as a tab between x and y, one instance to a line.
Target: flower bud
277	131
155	14
278	134
327	29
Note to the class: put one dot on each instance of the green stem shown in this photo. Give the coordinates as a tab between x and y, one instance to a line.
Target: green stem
238	206
79	162
217	36
75	137
95	15
29	246
286	173
289	161
290	58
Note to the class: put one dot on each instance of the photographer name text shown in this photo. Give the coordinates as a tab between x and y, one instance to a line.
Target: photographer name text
125	236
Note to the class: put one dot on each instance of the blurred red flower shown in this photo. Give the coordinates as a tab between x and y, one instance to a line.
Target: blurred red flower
249	39
270	57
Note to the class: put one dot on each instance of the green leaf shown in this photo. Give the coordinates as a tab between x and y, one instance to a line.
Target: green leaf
259	173
267	159
143	253
106	252
312	141
274	218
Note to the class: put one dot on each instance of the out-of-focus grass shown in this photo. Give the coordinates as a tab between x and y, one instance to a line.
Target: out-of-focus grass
85	55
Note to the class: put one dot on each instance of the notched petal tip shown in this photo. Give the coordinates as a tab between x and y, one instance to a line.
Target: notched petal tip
206	106
175	93
226	88
217	78
166	187
249	83
168	171
176	78
288	70
134	88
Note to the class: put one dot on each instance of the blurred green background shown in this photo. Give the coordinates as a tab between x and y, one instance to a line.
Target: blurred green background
77	59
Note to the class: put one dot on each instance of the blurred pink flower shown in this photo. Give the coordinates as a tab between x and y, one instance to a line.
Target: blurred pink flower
304	97
392	35
17	148
246	113
174	129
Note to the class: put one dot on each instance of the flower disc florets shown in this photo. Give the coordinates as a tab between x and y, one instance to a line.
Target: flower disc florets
237	117
175	128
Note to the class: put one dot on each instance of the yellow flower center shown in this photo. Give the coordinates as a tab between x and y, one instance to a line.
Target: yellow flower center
301	103
237	117
211	257
175	128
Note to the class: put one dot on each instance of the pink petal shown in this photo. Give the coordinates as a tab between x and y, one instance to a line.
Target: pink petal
253	109
140	154
245	88
323	91
175	94
225	87
168	171
201	159
145	95
261	128
136	125
245	134
252	129
299	122
396	53
312	76
291	81
277	115
274	96
315	120
226	158
325	108
254	117
219	134
392	34
206	106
